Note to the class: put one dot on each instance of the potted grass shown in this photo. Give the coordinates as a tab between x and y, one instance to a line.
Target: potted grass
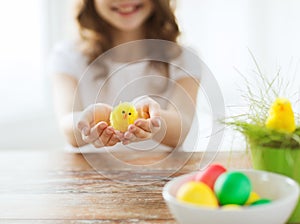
270	128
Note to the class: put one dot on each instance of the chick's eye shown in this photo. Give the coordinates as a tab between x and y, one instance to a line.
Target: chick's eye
129	113
123	111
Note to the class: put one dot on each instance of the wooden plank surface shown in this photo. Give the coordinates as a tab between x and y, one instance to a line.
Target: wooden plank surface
48	187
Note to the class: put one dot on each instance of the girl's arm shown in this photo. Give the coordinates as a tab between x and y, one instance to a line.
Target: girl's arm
79	126
64	88
178	118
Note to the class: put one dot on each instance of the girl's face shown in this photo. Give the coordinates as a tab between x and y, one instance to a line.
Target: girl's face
125	15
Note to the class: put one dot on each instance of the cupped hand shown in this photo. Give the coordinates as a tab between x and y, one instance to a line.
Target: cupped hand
94	126
148	124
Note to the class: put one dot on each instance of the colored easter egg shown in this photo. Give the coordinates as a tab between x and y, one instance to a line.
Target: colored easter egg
232	188
231	207
210	175
261	201
197	193
252	198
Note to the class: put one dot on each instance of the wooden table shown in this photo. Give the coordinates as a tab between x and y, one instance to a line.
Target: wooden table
58	187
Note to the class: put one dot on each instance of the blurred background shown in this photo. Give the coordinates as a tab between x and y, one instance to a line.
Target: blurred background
219	31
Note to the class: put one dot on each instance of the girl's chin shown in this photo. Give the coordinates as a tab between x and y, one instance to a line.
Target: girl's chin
128	27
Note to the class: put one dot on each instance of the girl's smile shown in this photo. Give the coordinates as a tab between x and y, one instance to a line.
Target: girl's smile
127	9
125	15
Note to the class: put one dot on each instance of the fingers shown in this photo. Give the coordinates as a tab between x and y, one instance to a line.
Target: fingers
113	140
120	135
139	132
92	115
149	110
151	125
143	111
106	138
147	107
106	135
134	135
142	129
94	132
143	124
129	137
101	135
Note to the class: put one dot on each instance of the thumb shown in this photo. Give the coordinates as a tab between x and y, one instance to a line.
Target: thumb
154	109
84	127
155	122
83	122
154	112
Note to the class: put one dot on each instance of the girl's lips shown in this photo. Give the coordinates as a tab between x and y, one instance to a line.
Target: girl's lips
127	9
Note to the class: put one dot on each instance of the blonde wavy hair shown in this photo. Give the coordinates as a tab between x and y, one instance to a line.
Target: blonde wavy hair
94	31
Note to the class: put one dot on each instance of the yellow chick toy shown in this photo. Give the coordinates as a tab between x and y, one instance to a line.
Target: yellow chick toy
281	116
122	116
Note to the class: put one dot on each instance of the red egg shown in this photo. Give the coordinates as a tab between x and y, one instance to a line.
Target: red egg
210	175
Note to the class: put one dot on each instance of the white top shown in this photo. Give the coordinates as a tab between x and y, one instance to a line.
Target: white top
124	82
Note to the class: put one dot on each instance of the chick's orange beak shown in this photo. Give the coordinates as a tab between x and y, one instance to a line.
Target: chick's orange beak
125	116
281	107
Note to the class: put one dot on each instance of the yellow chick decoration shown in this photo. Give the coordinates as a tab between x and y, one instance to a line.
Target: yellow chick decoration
281	116
122	116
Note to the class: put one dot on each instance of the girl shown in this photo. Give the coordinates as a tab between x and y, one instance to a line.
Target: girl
166	109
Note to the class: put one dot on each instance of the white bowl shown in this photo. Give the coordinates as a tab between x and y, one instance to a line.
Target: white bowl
283	191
